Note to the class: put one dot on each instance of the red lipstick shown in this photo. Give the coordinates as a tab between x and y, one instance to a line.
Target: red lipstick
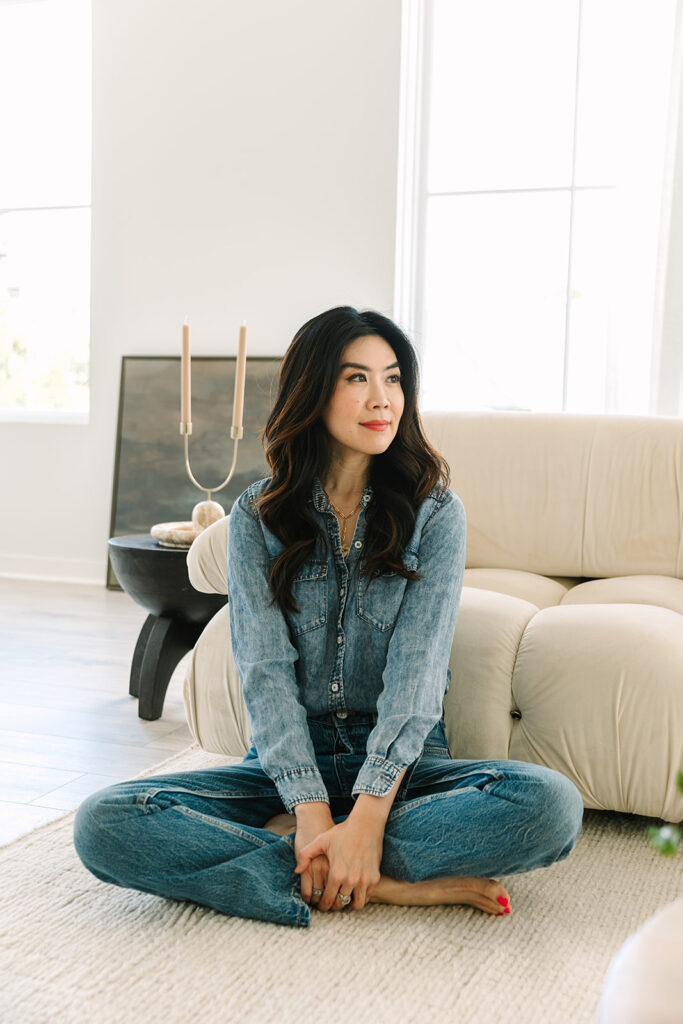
376	424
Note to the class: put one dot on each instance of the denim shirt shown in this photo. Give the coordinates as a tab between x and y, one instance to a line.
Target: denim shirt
382	647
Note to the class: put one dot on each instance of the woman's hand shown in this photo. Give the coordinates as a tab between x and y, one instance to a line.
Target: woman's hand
311	820
353	850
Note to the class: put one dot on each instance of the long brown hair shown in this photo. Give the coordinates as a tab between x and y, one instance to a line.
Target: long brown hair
295	440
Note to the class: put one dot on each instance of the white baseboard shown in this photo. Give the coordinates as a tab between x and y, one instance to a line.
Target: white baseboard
63	570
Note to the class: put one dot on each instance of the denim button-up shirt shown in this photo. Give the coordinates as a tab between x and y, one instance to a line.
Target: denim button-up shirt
382	647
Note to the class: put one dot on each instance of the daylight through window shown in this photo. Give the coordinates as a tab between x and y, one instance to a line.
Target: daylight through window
45	127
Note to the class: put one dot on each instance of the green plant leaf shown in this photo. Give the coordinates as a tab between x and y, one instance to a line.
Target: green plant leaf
665	840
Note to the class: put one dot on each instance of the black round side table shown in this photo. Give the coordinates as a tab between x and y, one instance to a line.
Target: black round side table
156	578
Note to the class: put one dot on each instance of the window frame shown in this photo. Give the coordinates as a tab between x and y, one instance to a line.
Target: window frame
666	356
57	416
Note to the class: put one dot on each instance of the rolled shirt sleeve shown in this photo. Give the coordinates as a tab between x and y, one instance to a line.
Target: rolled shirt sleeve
265	659
416	676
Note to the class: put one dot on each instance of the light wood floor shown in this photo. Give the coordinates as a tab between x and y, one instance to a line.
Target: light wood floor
67	724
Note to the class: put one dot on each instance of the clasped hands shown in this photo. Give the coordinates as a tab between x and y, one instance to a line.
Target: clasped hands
342	857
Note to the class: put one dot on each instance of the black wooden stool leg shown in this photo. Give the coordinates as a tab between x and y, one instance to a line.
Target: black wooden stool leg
138	655
168	640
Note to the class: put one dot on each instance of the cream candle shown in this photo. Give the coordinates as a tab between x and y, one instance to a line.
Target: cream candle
240	377
185	386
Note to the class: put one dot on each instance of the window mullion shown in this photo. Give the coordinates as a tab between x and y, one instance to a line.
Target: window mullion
572	194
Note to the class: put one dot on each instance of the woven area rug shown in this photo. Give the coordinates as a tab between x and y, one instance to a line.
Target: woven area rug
74	950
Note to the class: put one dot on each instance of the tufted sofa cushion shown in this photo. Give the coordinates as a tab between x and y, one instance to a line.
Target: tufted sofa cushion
590	684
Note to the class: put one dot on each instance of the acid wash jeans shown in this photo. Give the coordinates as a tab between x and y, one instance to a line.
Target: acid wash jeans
199	835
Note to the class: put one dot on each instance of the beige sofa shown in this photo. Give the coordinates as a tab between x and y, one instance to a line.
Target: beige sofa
568	649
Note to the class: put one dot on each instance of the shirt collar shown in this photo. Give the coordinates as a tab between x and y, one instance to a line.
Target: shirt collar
321	503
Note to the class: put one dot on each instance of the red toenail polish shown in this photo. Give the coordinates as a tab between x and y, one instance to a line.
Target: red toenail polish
503	900
507	910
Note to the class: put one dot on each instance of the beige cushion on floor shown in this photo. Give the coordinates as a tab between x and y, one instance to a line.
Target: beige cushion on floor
214	706
593	684
575	672
488	632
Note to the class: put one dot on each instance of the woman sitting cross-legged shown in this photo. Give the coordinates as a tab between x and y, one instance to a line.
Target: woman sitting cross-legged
345	568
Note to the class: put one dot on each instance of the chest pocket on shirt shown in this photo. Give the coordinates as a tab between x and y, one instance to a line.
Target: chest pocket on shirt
379	602
309	590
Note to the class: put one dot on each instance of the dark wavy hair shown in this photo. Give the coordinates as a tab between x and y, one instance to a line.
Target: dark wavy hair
296	443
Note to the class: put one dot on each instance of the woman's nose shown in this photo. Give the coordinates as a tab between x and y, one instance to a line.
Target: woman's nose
379	397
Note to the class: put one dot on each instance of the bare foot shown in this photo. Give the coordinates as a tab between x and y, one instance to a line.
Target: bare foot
481	893
283	824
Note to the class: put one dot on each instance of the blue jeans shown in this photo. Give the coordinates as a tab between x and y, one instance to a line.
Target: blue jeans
199	835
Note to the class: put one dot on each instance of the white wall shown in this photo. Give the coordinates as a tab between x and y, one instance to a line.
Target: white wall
667	385
244	168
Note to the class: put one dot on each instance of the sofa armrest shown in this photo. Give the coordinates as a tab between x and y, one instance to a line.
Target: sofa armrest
214	706
207	559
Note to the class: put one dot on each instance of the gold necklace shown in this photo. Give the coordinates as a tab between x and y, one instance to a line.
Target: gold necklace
345	547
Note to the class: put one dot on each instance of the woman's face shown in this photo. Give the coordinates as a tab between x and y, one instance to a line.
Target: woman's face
367	403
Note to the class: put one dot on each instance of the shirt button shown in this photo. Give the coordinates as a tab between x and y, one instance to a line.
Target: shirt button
339	639
335	687
342	714
358	544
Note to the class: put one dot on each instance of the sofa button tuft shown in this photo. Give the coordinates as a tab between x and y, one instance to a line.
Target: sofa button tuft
515	713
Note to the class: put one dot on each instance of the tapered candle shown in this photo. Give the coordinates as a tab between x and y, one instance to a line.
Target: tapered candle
185	407
240	377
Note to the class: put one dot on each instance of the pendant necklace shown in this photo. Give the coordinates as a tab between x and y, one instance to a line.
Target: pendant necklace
344	546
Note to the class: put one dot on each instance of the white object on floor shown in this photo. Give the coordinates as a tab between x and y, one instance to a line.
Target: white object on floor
644	984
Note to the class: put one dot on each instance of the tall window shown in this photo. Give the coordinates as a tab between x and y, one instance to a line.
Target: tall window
537	200
45	160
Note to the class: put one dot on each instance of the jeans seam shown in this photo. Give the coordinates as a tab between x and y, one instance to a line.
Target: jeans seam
419	801
225	826
142	798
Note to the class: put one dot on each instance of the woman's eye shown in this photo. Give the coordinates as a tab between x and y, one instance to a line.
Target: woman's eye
394	378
